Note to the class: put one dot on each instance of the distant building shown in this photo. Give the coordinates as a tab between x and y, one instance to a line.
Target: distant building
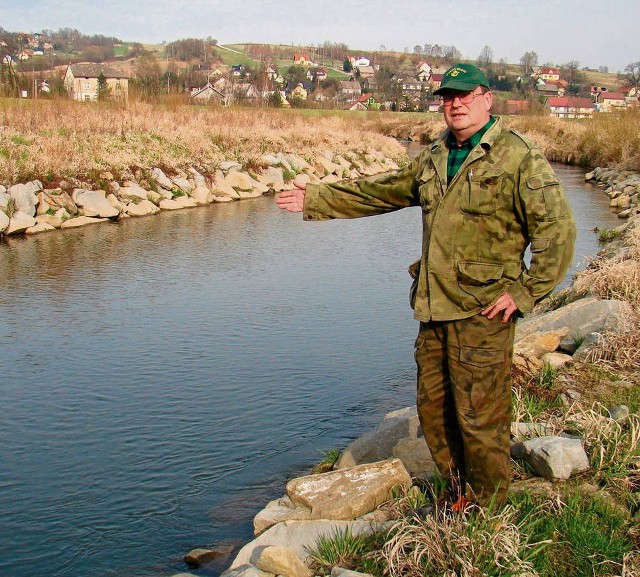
548	73
515	107
567	107
207	94
81	81
609	101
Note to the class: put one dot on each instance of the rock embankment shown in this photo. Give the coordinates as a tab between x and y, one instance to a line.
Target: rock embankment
29	208
622	187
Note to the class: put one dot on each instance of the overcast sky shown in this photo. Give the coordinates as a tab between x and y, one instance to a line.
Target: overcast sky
593	32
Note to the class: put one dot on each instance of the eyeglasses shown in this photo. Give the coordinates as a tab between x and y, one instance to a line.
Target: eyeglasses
465	98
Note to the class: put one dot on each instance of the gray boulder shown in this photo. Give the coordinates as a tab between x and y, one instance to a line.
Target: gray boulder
19	223
584	316
378	444
95	203
25	196
556	457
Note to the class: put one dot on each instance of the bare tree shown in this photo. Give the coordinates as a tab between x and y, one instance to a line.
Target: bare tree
632	74
485	58
528	60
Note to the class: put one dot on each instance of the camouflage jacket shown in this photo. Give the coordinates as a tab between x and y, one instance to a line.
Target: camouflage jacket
504	198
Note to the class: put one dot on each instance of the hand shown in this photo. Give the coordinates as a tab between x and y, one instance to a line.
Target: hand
504	303
292	200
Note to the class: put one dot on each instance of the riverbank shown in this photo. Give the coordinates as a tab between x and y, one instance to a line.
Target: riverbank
31	208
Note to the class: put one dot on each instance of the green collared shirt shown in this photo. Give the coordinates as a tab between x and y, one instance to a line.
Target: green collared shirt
458	154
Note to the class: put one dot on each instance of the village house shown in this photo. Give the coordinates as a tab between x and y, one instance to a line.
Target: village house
299	92
610	101
435	81
302	60
424	72
207	94
412	86
631	94
81	81
370	84
350	90
357	61
544	89
365	71
567	107
547	73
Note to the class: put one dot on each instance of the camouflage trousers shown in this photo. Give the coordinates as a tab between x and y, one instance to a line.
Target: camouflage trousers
464	401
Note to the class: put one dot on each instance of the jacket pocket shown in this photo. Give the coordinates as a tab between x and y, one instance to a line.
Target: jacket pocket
479	280
546	198
481	193
428	189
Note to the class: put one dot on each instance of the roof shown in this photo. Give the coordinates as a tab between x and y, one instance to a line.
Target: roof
612	96
94	71
365	97
548	70
568	102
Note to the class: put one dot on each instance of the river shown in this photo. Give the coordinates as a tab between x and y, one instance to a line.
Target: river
161	378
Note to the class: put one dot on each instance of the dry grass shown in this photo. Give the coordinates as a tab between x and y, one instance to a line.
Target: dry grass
617	278
60	139
465	545
611	140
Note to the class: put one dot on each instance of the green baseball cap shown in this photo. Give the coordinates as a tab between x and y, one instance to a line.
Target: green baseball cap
462	77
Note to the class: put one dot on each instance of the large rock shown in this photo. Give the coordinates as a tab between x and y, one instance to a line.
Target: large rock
415	456
19	223
4	198
143	208
132	191
61	200
25	196
182	183
283	561
540	343
277	511
52	219
81	221
378	444
556	457
298	535
161	178
39	227
584	316
178	203
240	181
202	195
95	203
348	493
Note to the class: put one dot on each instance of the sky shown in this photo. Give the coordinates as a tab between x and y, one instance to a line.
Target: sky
593	32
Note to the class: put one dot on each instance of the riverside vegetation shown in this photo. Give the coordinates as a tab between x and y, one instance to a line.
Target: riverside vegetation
586	524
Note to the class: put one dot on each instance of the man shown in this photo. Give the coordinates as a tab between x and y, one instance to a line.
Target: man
487	193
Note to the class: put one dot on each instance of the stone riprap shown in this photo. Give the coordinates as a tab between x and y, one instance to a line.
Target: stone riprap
622	187
29	208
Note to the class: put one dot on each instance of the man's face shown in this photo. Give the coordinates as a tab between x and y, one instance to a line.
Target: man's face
466	112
